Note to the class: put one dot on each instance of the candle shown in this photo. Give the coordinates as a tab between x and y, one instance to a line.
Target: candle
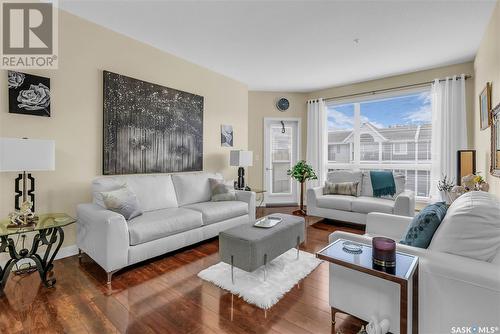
384	253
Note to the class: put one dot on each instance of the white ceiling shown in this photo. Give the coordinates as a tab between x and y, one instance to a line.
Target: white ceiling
300	45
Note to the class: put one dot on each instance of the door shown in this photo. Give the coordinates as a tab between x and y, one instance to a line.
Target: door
281	151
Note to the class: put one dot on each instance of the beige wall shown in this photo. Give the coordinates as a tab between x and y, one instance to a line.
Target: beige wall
408	79
261	105
85	50
487	69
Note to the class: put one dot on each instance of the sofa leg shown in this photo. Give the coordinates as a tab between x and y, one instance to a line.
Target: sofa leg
110	276
334	311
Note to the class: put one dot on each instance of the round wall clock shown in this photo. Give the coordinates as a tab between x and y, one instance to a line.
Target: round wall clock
283	104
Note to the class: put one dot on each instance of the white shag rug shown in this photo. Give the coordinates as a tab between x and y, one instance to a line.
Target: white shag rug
282	274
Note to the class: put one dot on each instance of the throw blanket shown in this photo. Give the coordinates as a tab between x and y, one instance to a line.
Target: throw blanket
382	183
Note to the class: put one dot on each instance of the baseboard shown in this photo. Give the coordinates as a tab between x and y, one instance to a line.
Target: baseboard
67	252
280	205
63	252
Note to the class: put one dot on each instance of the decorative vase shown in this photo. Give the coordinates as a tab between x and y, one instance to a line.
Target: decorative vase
445	196
484	187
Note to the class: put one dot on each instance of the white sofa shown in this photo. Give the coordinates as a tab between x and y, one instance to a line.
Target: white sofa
355	208
454	291
177	213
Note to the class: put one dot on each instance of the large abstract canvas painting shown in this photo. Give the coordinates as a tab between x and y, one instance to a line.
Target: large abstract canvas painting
150	128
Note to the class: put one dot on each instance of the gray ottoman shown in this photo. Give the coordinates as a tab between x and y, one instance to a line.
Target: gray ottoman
248	247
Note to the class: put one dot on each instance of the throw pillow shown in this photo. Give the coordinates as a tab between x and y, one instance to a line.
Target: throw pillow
422	228
367	190
222	190
342	188
344	175
123	201
471	227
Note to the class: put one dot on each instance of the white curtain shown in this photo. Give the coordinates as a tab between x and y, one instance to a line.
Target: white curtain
449	129
316	140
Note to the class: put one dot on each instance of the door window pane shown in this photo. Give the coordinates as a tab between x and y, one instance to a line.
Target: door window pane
281	159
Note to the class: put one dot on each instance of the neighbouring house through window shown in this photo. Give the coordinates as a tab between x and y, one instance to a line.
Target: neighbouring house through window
384	132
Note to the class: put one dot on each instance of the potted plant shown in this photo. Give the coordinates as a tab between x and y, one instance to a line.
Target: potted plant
445	186
302	172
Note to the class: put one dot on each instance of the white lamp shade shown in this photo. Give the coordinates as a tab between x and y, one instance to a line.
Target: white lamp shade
17	155
241	158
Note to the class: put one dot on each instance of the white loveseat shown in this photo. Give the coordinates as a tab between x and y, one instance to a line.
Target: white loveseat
355	208
455	291
177	213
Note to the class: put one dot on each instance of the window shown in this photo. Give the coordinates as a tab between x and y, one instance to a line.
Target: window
383	132
400	148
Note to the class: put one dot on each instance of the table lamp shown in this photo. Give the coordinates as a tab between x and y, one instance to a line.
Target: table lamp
26	155
241	159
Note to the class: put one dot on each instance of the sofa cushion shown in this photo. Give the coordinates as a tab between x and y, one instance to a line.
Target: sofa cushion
153	192
367	189
344	175
471	227
365	204
424	225
158	224
336	202
193	187
214	212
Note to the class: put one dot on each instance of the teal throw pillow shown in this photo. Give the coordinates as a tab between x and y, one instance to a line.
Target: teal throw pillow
424	224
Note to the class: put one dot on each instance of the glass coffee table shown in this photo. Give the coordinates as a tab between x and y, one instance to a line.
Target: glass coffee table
48	231
406	270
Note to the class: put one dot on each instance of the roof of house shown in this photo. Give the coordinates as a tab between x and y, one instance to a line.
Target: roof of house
394	133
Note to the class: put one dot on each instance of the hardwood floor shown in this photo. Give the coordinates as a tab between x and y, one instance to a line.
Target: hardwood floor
164	295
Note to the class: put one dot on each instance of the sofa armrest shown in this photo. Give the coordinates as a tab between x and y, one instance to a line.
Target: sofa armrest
465	271
249	198
405	204
383	224
312	196
103	235
453	290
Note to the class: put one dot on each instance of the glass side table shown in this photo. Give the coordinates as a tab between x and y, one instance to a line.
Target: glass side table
406	270
48	231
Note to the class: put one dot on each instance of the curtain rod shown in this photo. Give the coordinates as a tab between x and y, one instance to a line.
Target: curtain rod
372	92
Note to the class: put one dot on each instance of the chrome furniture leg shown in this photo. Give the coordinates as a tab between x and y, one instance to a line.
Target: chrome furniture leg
232	269
298	243
110	276
265	267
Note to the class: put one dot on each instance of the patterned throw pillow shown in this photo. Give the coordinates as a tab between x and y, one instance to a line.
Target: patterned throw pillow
342	188
123	201
221	190
422	227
